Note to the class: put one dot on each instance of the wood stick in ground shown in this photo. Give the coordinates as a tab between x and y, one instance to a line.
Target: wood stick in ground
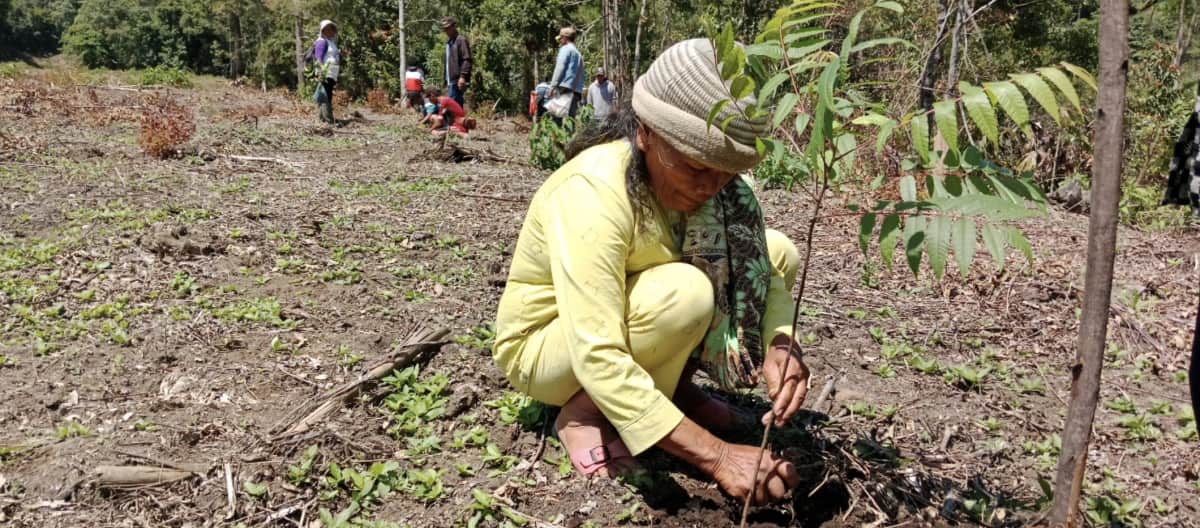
230	495
1102	237
418	345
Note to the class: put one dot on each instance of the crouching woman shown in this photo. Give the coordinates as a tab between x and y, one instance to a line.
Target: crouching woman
643	258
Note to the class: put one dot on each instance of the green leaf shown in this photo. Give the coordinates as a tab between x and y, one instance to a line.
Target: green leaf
895	7
885	133
991	207
725	41
767	90
964	244
1017	239
770	50
742	87
852	33
1081	73
937	242
920	135
801	124
1041	93
787	103
914	242
733	63
866	227
908	188
1009	98
725	123
254	489
995	241
872	119
716	110
979	108
889	234
806	48
1064	85
827	82
874	43
947	122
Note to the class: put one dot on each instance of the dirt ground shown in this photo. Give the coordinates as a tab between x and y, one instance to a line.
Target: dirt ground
180	313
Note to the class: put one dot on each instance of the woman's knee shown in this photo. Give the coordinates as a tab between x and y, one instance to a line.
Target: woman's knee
677	296
784	255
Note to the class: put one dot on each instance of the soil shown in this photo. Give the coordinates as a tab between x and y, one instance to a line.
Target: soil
165	312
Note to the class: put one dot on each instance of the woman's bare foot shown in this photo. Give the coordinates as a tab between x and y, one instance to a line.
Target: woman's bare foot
591	441
709	412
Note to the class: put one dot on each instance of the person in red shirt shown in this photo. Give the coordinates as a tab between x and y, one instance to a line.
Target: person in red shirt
450	115
414	85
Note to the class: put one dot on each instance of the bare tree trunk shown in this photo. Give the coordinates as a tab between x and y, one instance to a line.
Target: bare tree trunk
299	26
1182	34
615	63
1102	238
403	52
637	42
956	43
933	64
235	45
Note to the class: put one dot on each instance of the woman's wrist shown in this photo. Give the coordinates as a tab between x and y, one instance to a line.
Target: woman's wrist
696	446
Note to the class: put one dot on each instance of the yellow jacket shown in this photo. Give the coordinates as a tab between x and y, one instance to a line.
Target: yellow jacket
578	245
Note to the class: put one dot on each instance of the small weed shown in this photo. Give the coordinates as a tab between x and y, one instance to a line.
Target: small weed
991	424
1140	427
347	357
885	371
1122	405
413	402
1107	510
260	310
480	337
72	429
299	474
1046	451
145	426
6	361
183	284
517	408
925	365
857	314
473	437
253	489
1032	386
486	510
967	377
494	458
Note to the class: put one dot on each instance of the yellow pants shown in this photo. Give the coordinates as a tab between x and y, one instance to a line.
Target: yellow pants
668	311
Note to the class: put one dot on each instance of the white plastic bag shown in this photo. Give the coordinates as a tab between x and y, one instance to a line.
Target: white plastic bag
560	105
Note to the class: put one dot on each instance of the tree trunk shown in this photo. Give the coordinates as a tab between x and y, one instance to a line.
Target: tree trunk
615	63
637	42
403	52
1182	34
1102	237
933	64
299	26
956	43
235	45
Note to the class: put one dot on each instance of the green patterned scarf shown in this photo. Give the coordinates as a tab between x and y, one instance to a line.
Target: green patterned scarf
727	241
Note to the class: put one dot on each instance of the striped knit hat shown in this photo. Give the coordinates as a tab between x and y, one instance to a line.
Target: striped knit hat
674	98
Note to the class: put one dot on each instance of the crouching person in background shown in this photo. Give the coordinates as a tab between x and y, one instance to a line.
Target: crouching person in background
449	115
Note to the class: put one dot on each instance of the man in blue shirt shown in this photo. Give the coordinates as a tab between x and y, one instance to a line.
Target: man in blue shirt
568	69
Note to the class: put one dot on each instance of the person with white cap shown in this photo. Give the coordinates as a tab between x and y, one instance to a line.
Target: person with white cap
643	259
602	96
328	65
568	69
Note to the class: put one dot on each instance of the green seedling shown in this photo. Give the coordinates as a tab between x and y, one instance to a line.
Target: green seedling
967	377
258	491
1122	405
991	424
1106	510
1140	427
924	365
464	469
857	314
486	510
473	437
1160	408
480	337
517	408
423	484
347	357
414	402
885	371
1032	386
494	458
299	474
72	429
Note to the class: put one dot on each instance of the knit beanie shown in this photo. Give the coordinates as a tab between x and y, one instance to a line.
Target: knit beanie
674	98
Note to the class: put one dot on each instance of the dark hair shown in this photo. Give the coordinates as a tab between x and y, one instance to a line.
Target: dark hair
432	91
616	126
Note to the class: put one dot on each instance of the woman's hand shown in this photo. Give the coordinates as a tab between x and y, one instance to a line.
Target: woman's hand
786	389
735	473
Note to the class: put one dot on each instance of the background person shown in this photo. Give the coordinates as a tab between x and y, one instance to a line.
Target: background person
602	95
414	88
328	58
458	61
620	289
568	69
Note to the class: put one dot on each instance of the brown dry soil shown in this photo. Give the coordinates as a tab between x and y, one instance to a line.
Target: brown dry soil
178	311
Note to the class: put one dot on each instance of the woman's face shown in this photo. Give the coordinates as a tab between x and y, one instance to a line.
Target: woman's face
679	182
330	31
